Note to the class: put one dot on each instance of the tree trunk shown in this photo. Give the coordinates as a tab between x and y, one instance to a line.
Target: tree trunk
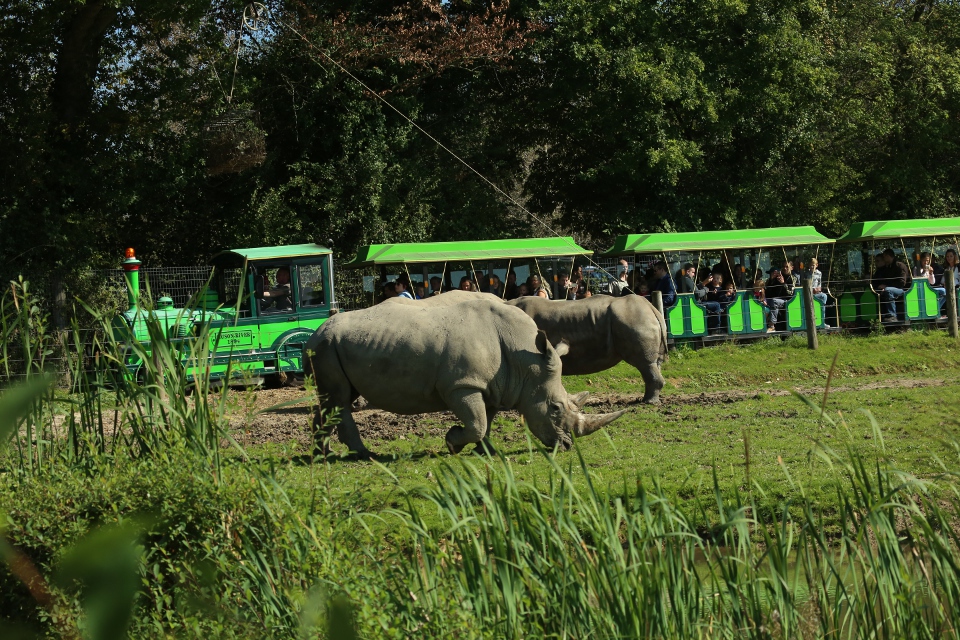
77	62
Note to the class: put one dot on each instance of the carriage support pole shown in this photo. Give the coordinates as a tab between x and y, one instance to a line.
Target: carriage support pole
810	314
656	297
951	302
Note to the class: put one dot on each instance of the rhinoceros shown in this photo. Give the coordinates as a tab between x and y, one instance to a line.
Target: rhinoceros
472	358
602	331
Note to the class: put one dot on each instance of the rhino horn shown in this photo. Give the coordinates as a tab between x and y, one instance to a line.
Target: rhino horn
579	398
590	423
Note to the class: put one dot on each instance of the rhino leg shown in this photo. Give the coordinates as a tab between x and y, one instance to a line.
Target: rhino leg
468	406
335	391
485	446
652	380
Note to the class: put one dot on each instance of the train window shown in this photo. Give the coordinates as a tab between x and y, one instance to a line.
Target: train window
232	285
311	285
278	298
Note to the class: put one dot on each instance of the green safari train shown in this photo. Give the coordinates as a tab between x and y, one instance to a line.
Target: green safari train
262	304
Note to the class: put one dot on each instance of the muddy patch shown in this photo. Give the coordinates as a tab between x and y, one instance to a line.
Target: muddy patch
284	416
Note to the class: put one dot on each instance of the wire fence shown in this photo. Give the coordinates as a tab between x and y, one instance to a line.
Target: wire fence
179	283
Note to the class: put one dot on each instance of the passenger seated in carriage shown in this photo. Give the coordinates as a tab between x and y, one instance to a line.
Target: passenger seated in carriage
891	279
933	274
466	284
776	296
536	287
511	290
687	279
702	294
664	284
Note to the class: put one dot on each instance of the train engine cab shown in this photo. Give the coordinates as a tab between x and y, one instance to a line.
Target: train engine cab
252	320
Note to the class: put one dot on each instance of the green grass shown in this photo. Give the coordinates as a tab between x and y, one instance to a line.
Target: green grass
714	396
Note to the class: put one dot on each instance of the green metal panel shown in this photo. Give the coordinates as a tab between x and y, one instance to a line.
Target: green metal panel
675	321
706	240
881	229
757	315
698	317
795	319
848	307
911	301
930	305
271	253
439	252
869	306
735	314
818	310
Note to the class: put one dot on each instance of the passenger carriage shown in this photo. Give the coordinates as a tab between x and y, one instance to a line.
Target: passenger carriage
450	261
741	253
853	263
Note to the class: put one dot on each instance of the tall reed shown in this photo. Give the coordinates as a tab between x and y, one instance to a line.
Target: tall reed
168	398
551	559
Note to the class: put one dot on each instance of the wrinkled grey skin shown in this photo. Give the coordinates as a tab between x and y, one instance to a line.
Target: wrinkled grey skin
602	331
446	299
471	358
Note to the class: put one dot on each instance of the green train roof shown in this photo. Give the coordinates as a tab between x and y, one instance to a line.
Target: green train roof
271	253
630	244
437	252
884	229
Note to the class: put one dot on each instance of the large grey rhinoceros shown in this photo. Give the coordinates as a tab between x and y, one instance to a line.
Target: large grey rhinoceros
472	358
602	331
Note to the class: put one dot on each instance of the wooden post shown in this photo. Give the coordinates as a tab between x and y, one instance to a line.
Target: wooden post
951	303
810	314
657	298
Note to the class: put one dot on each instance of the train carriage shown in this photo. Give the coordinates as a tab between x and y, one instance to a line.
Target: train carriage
480	260
854	261
743	254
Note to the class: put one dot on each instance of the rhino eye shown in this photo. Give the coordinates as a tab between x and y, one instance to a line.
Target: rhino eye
556	409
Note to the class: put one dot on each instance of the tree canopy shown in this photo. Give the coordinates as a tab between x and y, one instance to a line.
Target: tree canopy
600	117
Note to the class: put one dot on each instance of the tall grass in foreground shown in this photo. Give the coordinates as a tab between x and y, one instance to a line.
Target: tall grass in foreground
110	407
548	560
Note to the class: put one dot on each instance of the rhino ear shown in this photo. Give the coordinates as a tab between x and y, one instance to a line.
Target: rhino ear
562	348
543	345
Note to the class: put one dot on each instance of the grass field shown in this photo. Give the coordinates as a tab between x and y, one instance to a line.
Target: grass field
715	397
734	508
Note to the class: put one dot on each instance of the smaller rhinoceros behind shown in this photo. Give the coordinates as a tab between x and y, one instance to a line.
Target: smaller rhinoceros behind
472	358
603	331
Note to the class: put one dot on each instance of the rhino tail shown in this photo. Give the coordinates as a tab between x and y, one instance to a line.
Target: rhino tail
663	339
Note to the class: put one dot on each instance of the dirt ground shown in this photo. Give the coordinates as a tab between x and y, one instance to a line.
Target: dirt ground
254	422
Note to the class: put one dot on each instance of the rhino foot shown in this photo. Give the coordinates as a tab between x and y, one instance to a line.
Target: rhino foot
651	400
484	448
454	449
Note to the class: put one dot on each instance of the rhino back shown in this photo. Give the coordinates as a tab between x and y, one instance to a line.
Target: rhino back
586	325
601	330
445	299
407	357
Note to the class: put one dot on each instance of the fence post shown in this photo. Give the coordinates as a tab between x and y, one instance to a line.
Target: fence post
951	302
656	297
810	314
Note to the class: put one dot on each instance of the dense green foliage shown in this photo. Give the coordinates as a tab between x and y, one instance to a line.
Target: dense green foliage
603	117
